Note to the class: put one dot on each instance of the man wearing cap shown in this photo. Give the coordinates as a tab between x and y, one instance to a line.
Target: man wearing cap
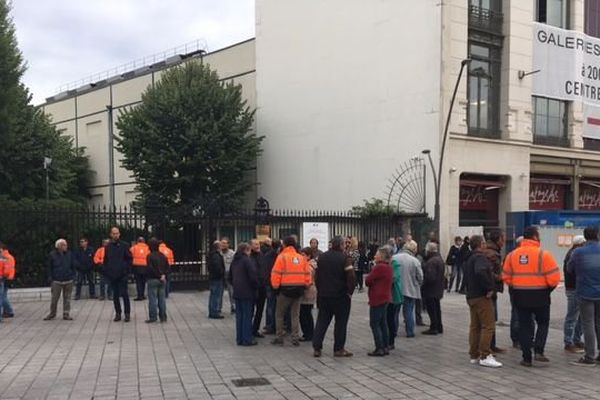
572	327
411	275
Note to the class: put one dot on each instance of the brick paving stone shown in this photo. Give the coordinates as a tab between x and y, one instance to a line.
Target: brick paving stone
192	357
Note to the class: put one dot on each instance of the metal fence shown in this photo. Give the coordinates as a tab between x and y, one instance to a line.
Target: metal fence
30	233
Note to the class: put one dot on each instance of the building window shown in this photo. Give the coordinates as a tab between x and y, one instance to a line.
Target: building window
553	12
486	16
492	5
592	18
483	90
550	121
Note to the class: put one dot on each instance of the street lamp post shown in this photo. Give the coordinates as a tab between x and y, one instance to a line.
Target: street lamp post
437	175
47	162
436	188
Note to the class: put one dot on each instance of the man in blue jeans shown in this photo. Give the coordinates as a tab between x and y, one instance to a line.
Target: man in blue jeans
216	278
585	264
116	268
411	275
156	274
572	327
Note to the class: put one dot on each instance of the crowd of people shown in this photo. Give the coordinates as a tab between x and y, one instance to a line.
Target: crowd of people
401	280
116	261
284	282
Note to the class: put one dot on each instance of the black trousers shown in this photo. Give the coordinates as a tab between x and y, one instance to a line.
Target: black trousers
434	310
329	308
140	283
359	278
260	306
119	289
527	328
307	323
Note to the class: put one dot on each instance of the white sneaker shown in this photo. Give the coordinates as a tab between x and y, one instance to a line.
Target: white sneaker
490	362
474	360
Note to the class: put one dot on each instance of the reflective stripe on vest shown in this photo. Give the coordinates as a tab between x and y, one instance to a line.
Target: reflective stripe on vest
530	280
292	278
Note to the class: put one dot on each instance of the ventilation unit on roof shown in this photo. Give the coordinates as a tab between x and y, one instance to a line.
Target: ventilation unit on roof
61	95
158	65
100	83
114	79
173	59
141	70
84	88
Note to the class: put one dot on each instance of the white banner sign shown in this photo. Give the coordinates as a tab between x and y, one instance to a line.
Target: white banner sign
567	67
316	230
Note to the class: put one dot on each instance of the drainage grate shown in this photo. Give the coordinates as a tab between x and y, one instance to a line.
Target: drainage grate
250	382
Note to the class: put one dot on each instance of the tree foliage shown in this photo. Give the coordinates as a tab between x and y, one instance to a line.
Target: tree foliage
374	208
27	136
190	143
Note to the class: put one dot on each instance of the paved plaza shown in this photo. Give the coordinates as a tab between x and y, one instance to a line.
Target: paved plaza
192	357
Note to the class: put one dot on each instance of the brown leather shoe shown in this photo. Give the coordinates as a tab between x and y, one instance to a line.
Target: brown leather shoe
317	353
541	358
571	348
527	364
342	353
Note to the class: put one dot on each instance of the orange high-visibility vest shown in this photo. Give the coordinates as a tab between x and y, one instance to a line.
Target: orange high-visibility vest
99	256
140	253
529	267
9	265
290	269
167	253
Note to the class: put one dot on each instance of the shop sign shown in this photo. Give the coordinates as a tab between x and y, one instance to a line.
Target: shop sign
546	196
473	197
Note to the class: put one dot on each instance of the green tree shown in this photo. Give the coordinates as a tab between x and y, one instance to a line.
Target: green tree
374	208
190	143
27	136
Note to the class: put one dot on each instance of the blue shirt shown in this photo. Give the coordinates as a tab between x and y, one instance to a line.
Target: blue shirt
585	263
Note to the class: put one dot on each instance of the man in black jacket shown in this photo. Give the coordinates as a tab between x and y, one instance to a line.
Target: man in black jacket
216	280
493	251
117	264
261	269
156	274
85	260
61	272
573	331
453	261
269	255
479	285
335	282
433	287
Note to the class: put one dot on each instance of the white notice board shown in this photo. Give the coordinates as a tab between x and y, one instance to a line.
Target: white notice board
316	230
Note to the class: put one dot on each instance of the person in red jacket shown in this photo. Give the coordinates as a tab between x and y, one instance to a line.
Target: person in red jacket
379	282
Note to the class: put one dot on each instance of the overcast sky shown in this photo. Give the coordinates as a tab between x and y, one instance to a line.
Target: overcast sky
66	40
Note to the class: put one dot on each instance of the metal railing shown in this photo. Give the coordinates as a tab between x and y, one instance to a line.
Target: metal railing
486	20
183	49
30	232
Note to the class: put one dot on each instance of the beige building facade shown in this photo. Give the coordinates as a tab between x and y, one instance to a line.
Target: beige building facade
348	91
89	113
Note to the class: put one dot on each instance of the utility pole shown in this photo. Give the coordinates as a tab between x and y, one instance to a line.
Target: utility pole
437	175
